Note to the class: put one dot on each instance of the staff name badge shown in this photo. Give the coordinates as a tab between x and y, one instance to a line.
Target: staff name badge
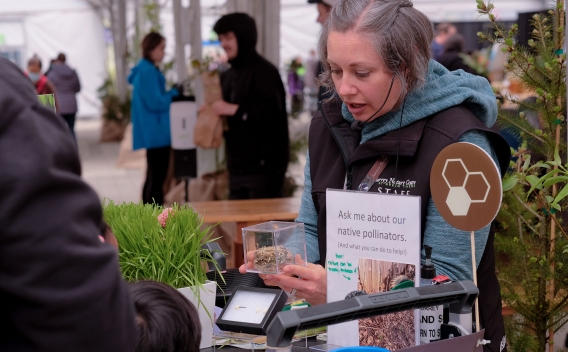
373	244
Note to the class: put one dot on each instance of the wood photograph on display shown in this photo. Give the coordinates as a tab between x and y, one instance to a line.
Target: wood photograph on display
392	331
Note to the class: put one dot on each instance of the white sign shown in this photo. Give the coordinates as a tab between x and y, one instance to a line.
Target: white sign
183	115
431	320
371	238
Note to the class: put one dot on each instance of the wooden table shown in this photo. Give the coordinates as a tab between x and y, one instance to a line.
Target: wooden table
246	213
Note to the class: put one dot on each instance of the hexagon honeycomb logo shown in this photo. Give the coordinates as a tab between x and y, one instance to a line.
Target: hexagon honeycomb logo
465	187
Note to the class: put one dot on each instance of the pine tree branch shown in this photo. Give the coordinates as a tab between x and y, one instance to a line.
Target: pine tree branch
525	104
557	322
561	305
525	205
526	223
529	77
558	308
553	217
526	323
522	59
548	114
520	225
521	128
527	313
540	30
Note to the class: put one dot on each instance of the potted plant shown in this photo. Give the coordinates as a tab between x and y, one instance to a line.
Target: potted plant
164	244
531	241
115	114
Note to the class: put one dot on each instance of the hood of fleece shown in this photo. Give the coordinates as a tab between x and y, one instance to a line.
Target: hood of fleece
142	65
442	89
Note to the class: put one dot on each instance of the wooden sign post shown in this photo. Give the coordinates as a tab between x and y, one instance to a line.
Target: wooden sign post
466	189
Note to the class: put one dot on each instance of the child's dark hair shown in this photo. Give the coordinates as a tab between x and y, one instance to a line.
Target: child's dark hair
166	321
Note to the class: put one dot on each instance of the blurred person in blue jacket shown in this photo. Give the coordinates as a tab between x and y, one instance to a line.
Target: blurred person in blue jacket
150	111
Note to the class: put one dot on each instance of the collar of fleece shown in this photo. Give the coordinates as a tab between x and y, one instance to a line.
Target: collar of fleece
442	90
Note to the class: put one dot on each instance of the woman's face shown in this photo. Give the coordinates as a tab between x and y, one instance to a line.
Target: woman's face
157	55
360	76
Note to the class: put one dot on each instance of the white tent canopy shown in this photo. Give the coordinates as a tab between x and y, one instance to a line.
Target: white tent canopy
46	28
466	10
75	27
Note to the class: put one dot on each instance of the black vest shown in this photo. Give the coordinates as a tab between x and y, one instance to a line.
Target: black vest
335	152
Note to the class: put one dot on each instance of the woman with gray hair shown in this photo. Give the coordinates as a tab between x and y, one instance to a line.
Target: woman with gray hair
391	104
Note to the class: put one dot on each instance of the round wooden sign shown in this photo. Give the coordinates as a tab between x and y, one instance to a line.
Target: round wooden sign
466	186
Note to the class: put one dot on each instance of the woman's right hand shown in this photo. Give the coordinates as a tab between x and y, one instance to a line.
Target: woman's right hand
250	262
308	282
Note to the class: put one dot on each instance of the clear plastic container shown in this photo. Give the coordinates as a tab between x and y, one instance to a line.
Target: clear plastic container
269	246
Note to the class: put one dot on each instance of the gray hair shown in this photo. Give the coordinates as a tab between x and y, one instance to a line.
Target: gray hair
400	34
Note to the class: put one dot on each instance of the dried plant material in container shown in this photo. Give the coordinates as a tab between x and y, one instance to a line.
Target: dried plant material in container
267	259
270	246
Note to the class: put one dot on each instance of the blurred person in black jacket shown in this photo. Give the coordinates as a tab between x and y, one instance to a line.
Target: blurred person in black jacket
441	33
450	58
254	104
60	286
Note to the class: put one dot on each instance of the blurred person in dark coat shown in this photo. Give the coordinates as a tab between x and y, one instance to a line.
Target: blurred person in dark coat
450	58
60	286
296	86
324	8
67	85
254	105
442	32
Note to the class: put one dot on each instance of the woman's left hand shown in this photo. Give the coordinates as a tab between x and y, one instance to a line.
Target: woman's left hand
309	281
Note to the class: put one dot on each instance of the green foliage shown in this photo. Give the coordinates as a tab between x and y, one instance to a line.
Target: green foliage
207	64
152	14
47	100
170	254
478	60
113	109
522	341
531	238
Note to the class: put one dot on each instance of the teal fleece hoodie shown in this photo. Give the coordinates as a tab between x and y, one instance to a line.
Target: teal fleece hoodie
150	107
442	89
